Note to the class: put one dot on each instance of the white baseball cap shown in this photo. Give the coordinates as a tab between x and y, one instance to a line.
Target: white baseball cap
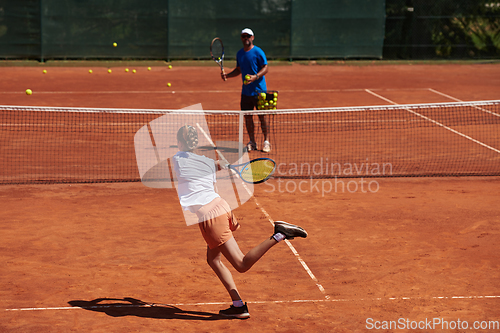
247	31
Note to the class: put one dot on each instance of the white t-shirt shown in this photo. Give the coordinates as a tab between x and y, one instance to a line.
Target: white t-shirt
196	176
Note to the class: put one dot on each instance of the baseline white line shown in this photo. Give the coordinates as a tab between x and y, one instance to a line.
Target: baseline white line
203	91
107	306
125	92
438	123
458	100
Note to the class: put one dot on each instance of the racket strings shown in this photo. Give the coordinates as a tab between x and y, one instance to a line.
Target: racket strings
258	171
217	49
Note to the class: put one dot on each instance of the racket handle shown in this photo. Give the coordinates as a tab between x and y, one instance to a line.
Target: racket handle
224	73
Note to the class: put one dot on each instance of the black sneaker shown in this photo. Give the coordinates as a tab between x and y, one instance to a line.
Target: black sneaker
289	230
251	146
236	312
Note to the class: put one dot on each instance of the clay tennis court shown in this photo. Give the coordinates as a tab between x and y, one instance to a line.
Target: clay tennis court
95	257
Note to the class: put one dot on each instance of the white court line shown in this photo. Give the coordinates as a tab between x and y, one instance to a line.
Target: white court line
292	248
458	100
381	97
125	92
331	300
170	91
443	94
437	123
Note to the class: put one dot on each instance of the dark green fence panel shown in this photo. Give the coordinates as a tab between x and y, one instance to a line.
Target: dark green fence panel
88	28
337	29
193	24
296	29
20	29
420	29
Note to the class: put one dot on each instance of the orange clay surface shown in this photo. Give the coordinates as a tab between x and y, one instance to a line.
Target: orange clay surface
94	257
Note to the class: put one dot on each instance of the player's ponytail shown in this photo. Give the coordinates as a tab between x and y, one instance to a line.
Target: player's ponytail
189	136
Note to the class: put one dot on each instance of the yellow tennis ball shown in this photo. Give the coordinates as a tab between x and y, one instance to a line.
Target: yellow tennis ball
245	82
109	71
90	71
44	71
149	68
115	45
275	94
169	66
126	70
133	71
247	77
28	92
169	85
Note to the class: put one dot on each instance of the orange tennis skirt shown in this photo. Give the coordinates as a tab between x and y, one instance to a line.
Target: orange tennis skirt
217	222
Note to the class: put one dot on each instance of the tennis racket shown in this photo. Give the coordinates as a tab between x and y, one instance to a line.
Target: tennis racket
217	53
256	171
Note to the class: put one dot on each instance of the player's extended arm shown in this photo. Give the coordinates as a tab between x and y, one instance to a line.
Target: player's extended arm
235	72
263	71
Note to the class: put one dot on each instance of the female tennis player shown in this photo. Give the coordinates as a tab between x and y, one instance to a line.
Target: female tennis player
197	193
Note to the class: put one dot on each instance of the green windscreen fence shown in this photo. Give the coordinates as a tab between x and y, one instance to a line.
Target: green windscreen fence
420	29
183	29
338	29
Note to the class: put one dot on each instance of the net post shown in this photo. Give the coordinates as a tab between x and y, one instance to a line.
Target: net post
240	135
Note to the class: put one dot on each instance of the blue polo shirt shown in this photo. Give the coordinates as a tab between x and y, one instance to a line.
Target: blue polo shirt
251	63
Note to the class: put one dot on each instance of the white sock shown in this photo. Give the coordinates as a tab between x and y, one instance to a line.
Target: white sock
238	304
279	237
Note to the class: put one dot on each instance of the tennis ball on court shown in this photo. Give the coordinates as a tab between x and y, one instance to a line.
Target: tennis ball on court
169	85
126	70
44	71
90	71
133	71
149	68
115	45
28	92
109	71
169	66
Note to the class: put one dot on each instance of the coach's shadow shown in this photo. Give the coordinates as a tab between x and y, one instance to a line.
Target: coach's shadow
120	307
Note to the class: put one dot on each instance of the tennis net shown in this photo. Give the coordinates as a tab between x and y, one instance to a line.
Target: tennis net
77	145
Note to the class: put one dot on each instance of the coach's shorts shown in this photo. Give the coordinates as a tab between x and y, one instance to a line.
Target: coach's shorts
248	102
217	222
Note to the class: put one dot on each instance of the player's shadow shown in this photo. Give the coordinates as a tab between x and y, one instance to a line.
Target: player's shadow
121	307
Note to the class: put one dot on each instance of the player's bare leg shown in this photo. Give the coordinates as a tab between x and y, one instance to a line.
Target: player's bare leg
263	124
243	263
225	276
250	126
